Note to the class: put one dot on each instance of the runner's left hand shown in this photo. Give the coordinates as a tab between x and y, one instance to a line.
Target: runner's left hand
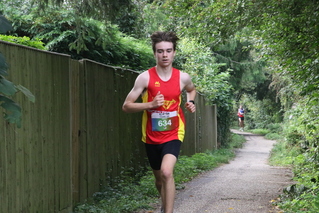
190	107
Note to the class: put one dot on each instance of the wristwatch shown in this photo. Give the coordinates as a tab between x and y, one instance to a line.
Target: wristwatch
192	101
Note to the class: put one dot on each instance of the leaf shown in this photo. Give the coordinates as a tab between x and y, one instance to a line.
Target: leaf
5	25
26	92
13	114
7	87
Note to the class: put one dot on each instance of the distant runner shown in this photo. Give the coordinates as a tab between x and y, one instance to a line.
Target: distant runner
241	116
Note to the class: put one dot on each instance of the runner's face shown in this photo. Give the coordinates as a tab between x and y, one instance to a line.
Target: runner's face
164	53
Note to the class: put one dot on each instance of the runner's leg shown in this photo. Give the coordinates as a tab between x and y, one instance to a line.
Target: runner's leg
168	188
159	184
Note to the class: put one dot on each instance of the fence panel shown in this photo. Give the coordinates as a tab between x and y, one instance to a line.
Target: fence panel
191	134
75	68
36	162
109	141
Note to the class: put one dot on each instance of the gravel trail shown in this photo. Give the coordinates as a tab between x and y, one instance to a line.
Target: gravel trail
247	184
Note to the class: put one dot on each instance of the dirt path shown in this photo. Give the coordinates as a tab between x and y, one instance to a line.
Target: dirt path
246	185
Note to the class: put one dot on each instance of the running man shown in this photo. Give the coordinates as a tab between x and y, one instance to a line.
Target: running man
241	117
163	123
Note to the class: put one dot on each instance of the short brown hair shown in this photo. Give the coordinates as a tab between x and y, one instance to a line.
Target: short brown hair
159	36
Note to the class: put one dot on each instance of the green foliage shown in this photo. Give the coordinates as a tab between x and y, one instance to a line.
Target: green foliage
24	41
272	131
208	21
64	31
106	9
299	148
291	30
302	196
13	110
249	74
126	193
260	114
204	71
260	131
273	136
287	30
236	141
142	19
275	127
197	60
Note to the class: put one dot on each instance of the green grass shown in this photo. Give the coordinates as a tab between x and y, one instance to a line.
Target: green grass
130	193
282	155
273	136
260	131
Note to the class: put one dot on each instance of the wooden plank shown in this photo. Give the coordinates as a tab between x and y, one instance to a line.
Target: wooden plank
11	162
45	101
214	124
37	179
11	172
64	139
75	127
98	109
83	167
3	168
20	158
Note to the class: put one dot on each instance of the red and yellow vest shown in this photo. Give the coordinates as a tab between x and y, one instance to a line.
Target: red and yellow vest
166	122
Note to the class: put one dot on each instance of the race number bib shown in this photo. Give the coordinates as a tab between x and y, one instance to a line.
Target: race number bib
164	121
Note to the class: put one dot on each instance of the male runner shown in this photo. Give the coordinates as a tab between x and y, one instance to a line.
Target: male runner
241	117
163	123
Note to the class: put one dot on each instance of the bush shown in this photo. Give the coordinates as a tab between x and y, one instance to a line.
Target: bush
63	31
261	114
299	149
274	127
273	136
260	131
37	43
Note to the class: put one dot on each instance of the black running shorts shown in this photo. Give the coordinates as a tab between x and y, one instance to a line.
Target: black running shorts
155	153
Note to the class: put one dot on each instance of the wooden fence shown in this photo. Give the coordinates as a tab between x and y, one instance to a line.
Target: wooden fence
75	135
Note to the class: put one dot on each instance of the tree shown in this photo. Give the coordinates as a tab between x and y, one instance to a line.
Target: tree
63	31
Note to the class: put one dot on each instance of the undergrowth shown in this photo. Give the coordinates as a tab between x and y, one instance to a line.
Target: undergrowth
299	150
130	193
303	195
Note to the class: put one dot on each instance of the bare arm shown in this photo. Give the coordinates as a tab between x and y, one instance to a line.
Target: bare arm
141	83
190	90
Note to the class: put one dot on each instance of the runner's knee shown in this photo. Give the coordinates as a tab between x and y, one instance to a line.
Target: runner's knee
166	174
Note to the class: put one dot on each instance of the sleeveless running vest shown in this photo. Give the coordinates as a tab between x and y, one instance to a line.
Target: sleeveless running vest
167	122
241	111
